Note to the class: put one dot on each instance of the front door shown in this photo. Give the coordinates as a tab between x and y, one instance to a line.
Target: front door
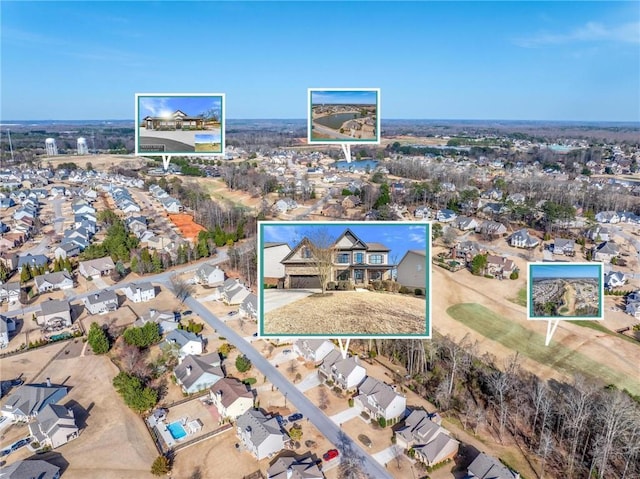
358	276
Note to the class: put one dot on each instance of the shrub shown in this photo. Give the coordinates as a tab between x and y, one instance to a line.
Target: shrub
404	290
98	339
160	466
142	337
243	364
364	416
382	422
350	402
295	433
377	285
337	390
344	286
250	381
331	286
418	292
513	275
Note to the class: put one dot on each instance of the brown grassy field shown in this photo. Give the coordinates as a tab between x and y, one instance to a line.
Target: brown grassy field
349	312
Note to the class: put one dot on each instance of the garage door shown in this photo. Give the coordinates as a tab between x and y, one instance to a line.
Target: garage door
306	281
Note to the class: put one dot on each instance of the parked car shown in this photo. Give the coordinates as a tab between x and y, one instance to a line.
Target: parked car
232	313
187	312
282	421
5	452
330	454
295	417
286	351
17	382
21	443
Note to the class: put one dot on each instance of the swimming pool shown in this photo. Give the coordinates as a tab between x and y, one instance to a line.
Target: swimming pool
176	430
61	336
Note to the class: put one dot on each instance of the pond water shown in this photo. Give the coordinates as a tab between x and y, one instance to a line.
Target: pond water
336	121
356	165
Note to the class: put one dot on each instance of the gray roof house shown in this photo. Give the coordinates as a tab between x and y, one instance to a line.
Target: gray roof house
196	373
564	246
313	349
96	267
233	292
32	260
29	399
380	400
432	443
347	373
53	281
167	320
465	223
186	343
522	239
487	467
7	326
54	426
66	250
249	306
140	292
605	251
55	313
10	292
293	468
614	279
30	469
209	275
491	228
260	435
101	302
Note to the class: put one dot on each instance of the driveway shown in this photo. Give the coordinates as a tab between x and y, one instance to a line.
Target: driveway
276	298
310	381
385	455
345	415
283	357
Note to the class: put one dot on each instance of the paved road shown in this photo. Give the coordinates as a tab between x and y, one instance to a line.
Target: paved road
59	217
326	427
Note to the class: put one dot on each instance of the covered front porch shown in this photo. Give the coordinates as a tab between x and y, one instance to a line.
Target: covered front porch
362	274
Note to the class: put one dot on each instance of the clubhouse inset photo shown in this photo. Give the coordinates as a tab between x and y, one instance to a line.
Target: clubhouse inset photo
565	291
342	115
180	124
344	279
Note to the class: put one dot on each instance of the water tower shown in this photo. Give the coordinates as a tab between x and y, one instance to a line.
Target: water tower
83	148
52	148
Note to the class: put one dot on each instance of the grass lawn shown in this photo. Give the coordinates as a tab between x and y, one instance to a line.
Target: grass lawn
521	298
531	345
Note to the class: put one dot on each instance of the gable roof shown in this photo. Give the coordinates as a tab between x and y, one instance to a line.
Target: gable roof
293	468
182	337
382	393
37	469
259	426
487	467
29	399
230	390
54	306
193	368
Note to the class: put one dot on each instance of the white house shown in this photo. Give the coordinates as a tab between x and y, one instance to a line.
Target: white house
53	281
96	267
260	435
346	373
101	302
186	343
431	442
197	373
209	275
231	398
272	254
522	239
313	349
7	326
380	400
140	292
412	269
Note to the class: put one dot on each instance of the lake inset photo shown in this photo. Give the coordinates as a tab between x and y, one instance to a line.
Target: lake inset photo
565	291
344	279
179	124
344	115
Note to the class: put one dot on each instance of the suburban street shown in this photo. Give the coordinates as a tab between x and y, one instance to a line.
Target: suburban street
292	394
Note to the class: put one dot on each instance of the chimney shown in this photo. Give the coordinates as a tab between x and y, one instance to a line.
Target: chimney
188	370
289	472
48	382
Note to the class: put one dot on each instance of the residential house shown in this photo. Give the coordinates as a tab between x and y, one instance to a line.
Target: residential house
10	292
231	398
33	261
491	229
564	246
233	292
197	373
54	426
6	203
522	239
633	305
166	320
350	202
34	468
7	326
599	233
249	307
54	313
605	252
294	468
66	250
29	399
431	442
96	267
380	400
140	292
353	260
260	435
171	205
185	342
465	223
346	373
102	302
466	250
487	467
10	260
614	279
412	269
446	216
59	280
272	268
516	198
423	212
209	275
499	266
607	217
313	349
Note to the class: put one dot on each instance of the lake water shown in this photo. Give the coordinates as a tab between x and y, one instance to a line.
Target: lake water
561	148
336	121
356	165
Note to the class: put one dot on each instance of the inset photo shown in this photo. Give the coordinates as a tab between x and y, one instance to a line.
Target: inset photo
179	124
570	291
344	279
343	115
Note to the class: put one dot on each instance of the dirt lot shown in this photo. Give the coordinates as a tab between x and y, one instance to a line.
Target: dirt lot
359	312
101	162
106	423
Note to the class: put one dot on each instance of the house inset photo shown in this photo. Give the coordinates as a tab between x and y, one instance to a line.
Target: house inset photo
179	124
344	278
342	115
565	291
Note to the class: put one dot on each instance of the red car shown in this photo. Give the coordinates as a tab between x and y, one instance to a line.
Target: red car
330	454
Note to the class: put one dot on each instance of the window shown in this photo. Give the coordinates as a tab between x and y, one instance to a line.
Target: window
343	257
375	259
358	258
305	252
375	275
358	275
343	275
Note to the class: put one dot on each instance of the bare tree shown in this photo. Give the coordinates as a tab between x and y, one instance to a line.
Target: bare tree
319	247
181	288
323	398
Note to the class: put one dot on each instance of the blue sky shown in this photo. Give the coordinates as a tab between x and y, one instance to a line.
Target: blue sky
438	60
343	97
165	105
398	237
566	270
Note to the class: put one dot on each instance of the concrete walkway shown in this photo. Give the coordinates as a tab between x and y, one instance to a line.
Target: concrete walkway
310	381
